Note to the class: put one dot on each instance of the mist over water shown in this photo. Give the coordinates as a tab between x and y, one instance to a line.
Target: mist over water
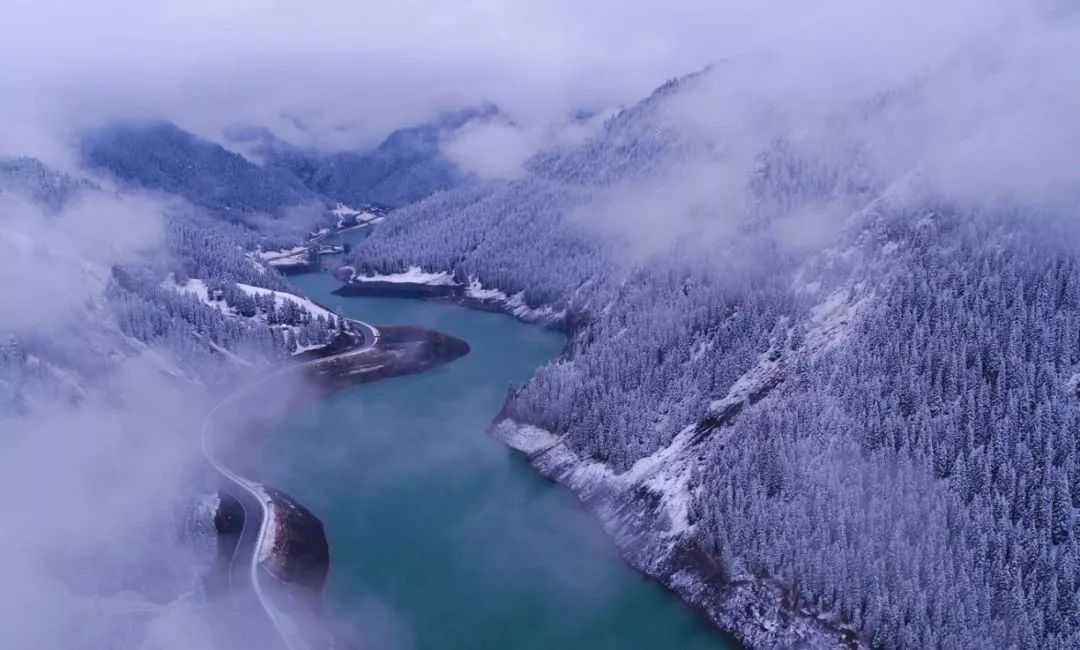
440	537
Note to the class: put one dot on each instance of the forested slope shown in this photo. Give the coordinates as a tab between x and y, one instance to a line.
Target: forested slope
138	311
870	379
920	479
161	156
407	166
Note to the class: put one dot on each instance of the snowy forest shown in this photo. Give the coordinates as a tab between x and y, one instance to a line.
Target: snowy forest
112	356
909	460
851	307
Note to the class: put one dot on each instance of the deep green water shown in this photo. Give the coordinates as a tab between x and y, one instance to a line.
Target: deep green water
442	538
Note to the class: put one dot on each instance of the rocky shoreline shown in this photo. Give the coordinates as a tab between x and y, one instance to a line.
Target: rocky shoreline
440	287
383	289
301	552
401	350
755	613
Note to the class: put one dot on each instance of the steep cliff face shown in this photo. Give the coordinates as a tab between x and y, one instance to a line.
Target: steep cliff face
228	520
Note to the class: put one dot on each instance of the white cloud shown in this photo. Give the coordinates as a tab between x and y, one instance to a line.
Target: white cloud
977	100
50	264
350	71
997	74
492	149
499	148
91	552
648	217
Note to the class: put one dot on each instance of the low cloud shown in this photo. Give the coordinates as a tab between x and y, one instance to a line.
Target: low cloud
92	554
990	77
51	263
97	483
969	101
492	150
649	216
329	74
499	148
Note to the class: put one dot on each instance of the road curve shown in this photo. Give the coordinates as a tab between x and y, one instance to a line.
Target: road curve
243	568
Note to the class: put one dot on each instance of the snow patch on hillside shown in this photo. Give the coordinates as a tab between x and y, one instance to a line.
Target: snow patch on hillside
528	438
271	256
348	217
666	473
413	275
199	288
342	210
477	291
767	370
830	321
832	318
514	304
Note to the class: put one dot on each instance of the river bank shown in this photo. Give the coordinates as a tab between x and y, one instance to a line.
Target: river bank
646	512
441	287
262	527
450	539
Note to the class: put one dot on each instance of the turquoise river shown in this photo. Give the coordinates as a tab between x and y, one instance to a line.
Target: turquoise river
441	537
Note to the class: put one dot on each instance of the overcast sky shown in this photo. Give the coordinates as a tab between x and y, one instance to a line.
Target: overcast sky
992	87
351	71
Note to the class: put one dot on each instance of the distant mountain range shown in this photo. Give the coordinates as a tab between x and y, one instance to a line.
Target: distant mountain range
407	166
161	156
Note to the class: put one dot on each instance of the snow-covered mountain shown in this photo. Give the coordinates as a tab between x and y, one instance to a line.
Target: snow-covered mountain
409	165
108	310
30	179
817	393
288	183
823	373
160	156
